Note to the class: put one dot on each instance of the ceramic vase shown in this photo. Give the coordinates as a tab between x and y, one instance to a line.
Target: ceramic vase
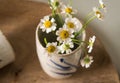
58	65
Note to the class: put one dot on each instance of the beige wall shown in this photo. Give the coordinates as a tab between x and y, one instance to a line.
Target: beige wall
109	30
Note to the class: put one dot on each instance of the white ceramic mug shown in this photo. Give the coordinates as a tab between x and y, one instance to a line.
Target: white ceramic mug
6	52
58	65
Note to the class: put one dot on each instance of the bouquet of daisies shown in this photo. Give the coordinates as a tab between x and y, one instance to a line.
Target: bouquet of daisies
64	29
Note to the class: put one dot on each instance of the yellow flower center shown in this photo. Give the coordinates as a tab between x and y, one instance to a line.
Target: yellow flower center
86	60
68	10
90	43
51	49
66	46
98	13
70	25
64	34
47	24
103	6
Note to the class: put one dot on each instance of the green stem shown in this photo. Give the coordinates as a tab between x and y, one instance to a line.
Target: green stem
45	40
82	48
89	14
99	7
60	19
84	26
58	43
78	41
75	40
53	12
49	1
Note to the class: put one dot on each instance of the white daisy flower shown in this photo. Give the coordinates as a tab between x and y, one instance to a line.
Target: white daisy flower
73	24
64	35
51	48
66	47
102	5
90	45
47	24
68	10
86	61
98	14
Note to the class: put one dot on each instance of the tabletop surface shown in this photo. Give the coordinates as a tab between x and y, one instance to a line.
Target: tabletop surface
18	21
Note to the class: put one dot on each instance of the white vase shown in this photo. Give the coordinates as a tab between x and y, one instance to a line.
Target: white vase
6	52
58	65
